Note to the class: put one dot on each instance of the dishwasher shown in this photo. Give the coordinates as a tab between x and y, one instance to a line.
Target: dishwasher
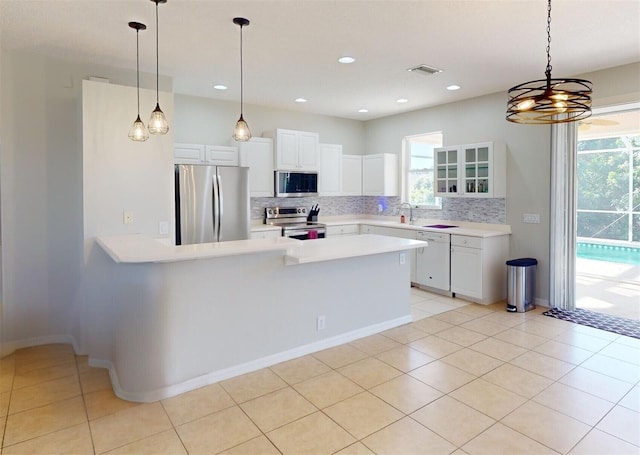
433	264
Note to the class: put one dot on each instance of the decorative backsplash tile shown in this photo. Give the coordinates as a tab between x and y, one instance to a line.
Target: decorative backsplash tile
478	210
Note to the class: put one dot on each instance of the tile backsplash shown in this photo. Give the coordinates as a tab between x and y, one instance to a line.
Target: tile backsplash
478	210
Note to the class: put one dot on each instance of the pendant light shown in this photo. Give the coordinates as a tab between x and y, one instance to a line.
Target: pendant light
241	133
549	100
158	122
138	131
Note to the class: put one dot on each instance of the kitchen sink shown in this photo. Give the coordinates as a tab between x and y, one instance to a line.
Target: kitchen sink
440	226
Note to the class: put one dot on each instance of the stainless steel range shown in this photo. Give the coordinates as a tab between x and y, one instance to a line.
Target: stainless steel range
296	222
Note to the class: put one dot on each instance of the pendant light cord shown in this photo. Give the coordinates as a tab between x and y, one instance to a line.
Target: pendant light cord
158	58
138	67
241	75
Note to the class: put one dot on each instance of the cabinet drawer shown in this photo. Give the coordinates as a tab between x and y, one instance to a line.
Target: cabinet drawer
463	240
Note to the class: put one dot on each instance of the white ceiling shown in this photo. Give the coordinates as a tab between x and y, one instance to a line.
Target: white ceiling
291	47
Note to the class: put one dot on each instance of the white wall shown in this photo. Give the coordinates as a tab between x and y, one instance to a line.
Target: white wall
41	165
528	164
206	121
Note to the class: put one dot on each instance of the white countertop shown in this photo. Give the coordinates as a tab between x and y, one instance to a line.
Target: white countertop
332	248
463	227
138	248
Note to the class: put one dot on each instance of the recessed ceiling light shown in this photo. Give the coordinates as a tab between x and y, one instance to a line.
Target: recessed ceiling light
453	87
220	87
301	100
363	110
346	59
402	100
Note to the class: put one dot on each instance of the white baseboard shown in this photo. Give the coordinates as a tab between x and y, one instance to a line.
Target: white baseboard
248	367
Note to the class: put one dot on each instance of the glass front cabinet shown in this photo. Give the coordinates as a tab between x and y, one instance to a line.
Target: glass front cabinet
473	170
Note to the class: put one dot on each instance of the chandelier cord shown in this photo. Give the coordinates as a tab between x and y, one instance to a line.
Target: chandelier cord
548	71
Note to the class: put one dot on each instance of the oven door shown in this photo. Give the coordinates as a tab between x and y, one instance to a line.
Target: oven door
304	234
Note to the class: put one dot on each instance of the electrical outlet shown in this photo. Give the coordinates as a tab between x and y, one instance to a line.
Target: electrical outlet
127	217
403	258
531	218
163	228
320	323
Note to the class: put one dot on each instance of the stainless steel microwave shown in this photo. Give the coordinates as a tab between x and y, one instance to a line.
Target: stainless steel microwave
295	183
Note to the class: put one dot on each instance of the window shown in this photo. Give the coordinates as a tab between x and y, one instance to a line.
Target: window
419	176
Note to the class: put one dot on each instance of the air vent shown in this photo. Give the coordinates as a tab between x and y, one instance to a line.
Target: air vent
424	69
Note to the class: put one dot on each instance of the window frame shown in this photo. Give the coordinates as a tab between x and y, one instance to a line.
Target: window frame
407	170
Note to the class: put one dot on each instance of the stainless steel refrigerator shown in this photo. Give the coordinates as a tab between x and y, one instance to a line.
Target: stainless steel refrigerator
212	203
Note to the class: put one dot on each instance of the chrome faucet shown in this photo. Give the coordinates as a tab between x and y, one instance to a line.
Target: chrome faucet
410	211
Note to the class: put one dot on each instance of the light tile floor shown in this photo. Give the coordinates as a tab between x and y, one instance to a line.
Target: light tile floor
462	378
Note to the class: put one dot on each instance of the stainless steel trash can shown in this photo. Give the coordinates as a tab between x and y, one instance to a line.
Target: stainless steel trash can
521	284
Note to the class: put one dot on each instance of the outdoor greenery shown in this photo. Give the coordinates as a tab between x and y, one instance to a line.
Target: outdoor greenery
603	169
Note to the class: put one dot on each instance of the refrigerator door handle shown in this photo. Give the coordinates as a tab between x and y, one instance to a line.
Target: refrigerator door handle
216	207
220	206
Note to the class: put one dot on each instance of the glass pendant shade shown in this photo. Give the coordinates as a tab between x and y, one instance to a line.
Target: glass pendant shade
158	122
241	133
548	100
138	131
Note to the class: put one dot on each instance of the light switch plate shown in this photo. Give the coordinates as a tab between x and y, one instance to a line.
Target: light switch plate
531	218
163	227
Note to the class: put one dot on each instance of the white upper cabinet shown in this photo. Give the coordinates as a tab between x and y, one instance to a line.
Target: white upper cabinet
221	155
257	155
295	150
473	170
218	155
380	175
188	153
351	175
330	173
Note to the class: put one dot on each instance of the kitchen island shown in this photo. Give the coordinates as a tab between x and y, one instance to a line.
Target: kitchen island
187	316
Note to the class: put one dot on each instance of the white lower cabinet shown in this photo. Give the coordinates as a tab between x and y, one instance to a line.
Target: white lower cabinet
478	269
266	234
343	229
433	260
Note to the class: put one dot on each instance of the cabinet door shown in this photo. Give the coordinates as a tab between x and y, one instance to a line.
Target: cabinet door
308	151
188	154
466	271
287	150
446	165
222	156
477	164
351	175
380	175
265	234
330	173
257	155
367	229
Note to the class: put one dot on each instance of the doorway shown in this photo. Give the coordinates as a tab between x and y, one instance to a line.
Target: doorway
608	212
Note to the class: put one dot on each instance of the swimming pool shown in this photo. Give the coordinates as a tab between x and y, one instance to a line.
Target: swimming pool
609	253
